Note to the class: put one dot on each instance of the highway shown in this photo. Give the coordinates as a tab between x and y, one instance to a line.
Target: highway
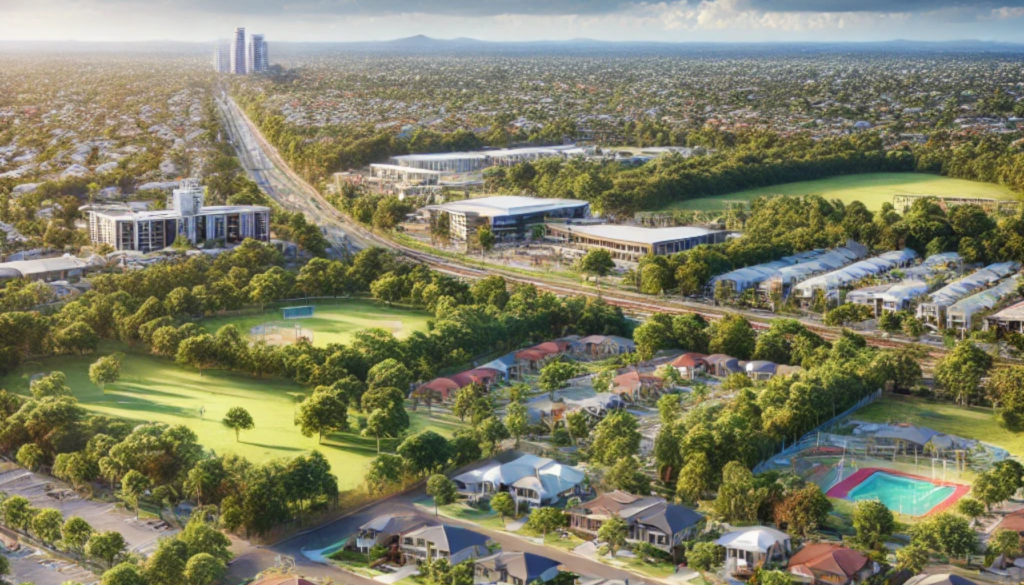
272	173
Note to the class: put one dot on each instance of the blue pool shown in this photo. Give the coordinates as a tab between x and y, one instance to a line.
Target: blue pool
913	497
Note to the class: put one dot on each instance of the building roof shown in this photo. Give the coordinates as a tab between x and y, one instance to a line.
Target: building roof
1012	313
283	580
939	579
761	367
635	234
1013	521
689	360
830	558
857	271
506	205
544	475
44	265
172	214
753	539
959	289
670	518
617	503
916	435
450	538
394	523
526	566
408	170
597	339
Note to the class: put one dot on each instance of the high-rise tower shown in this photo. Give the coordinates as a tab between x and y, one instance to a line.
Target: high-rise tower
258	61
222	56
238	52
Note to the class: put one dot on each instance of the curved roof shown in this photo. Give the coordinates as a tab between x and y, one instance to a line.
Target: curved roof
761	367
439	385
857	271
955	291
10	273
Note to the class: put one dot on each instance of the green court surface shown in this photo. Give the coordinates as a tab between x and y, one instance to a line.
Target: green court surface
871	189
333	321
158	390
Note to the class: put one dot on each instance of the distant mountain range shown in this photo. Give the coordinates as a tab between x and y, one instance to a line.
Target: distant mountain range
426	44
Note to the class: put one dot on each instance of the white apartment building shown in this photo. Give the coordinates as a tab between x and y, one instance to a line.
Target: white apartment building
146	231
222	56
256	57
238	63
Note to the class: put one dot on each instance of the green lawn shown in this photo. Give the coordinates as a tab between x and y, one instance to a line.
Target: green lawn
871	189
158	390
335	321
971	423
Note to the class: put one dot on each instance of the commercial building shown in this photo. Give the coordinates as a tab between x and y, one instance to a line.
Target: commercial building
467	162
257	59
630	242
49	269
146	231
238	52
507	215
222	56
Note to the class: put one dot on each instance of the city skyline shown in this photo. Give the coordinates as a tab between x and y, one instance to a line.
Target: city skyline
525	20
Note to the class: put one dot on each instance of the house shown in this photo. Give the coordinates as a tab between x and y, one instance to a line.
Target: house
831	564
536	481
598	406
761	370
446	388
939	579
602	346
634	383
387	530
438	388
514	568
444	542
506	367
486	377
749	548
690	365
1013	521
651	519
532	359
723	366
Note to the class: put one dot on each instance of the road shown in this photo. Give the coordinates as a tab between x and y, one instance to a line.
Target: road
251	560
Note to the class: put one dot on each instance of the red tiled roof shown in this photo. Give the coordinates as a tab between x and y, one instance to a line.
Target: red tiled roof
1013	521
531	354
830	558
689	360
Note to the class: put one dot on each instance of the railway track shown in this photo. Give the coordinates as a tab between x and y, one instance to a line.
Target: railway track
261	160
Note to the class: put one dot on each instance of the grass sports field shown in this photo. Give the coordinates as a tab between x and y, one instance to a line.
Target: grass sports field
156	389
334	321
971	423
871	189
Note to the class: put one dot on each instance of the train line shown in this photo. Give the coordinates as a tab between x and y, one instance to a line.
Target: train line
262	161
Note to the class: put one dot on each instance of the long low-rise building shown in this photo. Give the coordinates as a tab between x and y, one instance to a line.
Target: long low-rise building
741	279
146	231
505	214
49	269
913	284
933	312
961	314
831	283
631	242
466	162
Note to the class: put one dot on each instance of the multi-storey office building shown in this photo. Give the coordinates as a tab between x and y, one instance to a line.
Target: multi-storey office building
146	231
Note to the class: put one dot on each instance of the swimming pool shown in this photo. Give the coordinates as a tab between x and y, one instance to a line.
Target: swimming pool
906	495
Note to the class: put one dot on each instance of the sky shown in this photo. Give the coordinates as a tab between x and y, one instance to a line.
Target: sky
515	20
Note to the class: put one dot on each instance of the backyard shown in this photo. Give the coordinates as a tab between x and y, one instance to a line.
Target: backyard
156	389
334	320
871	189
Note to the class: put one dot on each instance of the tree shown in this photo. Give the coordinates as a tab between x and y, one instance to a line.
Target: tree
504	505
960	371
912	558
201	537
733	336
555	375
75	533
1006	543
270	286
545	520
466	399
442	489
385	471
388	288
238	419
597	262
1006	388
425	452
133	486
971	508
485	238
617	436
5	570
874	523
197	352
204	569
516	420
774	577
47	524
627	475
106	370
53	384
30	456
805	509
946	533
123	574
106	546
166	566
389	373
322	412
17	513
703	557
613	532
653	335
578	426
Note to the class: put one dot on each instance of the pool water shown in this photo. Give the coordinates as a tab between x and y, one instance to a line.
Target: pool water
913	497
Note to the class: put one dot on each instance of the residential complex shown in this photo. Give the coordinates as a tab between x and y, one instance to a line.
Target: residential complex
506	215
241	56
146	231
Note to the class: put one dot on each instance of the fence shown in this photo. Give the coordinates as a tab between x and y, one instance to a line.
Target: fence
811	436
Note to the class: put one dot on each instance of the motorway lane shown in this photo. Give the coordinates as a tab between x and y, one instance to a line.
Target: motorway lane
252	560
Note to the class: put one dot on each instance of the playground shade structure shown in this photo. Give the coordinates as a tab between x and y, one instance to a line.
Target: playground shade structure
904	493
